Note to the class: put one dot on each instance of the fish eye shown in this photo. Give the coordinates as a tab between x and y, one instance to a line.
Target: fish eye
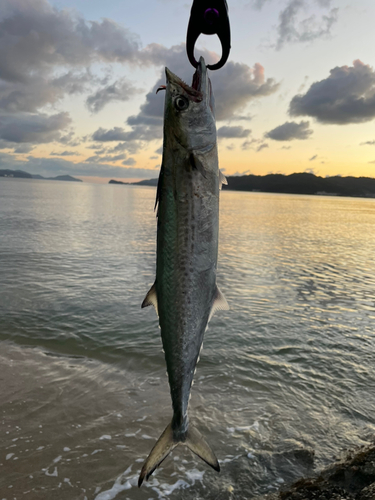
181	103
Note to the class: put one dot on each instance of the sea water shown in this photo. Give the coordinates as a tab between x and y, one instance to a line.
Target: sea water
286	378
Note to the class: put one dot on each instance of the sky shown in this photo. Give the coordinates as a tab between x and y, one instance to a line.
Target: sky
78	81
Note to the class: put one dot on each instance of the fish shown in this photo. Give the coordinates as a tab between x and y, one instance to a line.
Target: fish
185	294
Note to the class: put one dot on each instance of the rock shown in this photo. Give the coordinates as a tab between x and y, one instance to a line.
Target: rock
351	478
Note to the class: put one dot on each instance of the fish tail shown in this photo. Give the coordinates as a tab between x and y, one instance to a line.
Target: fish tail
193	439
198	445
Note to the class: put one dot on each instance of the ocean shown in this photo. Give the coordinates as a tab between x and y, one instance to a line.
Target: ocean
286	378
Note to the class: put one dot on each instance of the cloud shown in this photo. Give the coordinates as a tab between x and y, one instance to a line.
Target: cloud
115	134
37	37
47	54
346	96
121	90
235	85
138	133
294	29
105	158
259	4
129	161
233	132
249	144
64	153
23	148
262	146
289	131
367	143
35	128
313	158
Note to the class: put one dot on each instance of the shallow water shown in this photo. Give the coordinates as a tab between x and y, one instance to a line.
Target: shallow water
288	371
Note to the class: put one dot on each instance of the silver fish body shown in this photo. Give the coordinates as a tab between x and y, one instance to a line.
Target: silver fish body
185	293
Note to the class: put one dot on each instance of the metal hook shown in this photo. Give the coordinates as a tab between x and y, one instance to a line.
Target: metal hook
209	17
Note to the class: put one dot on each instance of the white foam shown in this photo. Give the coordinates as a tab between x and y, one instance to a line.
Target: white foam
127	481
229	458
51	474
9	456
119	486
195	475
66	449
105	436
166	489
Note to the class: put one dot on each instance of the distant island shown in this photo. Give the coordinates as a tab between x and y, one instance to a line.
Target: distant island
19	174
302	183
146	182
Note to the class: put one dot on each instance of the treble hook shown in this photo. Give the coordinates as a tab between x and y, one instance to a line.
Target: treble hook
209	17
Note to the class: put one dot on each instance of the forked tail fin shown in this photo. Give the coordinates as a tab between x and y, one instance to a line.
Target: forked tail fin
166	443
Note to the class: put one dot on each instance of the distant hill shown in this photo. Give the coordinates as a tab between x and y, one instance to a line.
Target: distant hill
112	181
304	183
64	178
25	175
147	182
15	173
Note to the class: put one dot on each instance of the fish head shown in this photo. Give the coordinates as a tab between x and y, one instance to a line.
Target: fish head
189	111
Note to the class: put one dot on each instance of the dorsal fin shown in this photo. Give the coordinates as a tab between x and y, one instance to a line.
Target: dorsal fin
151	299
219	303
158	190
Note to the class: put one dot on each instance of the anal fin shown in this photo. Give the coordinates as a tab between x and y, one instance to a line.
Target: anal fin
151	299
219	303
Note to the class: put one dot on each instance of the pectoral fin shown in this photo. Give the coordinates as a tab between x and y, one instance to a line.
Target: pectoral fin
197	164
219	303
151	299
222	179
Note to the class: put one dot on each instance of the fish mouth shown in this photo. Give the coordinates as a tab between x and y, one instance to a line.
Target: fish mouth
200	85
